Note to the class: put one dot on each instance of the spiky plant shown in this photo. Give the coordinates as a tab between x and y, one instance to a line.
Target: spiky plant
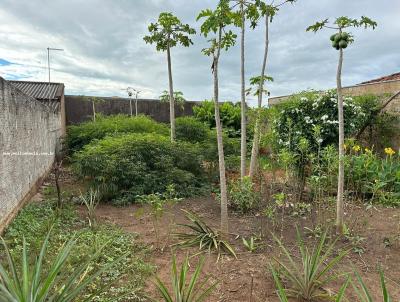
363	292
34	283
306	279
203	236
183	289
91	201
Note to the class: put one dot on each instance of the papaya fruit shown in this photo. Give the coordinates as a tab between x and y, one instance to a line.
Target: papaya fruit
345	36
337	38
333	38
343	44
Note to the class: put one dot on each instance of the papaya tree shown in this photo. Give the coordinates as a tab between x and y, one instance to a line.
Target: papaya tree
267	11
340	40
94	100
167	33
246	10
215	23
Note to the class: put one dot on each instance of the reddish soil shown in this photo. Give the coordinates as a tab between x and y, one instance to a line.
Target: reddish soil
248	278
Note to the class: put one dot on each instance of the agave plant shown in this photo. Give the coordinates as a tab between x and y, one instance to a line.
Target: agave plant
34	283
203	236
184	290
308	278
363	292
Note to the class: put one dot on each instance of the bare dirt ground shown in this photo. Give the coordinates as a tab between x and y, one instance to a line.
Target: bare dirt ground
248	278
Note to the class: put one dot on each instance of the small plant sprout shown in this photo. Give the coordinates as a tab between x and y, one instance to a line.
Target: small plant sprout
340	40
250	244
91	200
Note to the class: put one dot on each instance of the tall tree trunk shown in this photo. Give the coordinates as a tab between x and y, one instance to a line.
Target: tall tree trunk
171	96
94	111
136	111
256	139
130	105
221	159
339	203
243	142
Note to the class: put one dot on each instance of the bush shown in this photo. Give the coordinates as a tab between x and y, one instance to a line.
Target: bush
229	112
313	116
81	135
140	164
191	130
242	195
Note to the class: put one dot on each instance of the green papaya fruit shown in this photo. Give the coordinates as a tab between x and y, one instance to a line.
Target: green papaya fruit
338	38
332	38
335	44
343	44
345	36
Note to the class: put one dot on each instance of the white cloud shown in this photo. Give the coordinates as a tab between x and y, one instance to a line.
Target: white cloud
104	51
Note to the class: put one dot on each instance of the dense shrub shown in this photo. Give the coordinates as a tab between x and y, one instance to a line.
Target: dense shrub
243	196
141	164
313	116
229	112
375	177
191	130
80	135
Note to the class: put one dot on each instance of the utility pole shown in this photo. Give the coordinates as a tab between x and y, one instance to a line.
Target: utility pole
48	65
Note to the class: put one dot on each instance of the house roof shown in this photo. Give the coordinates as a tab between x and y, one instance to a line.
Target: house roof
392	77
41	91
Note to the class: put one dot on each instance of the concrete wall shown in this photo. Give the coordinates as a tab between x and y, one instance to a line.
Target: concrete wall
29	132
79	110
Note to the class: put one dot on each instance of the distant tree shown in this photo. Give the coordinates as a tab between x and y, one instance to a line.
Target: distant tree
215	21
266	10
94	100
178	98
340	40
166	33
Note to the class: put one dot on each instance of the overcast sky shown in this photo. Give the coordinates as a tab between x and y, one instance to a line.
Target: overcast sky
104	50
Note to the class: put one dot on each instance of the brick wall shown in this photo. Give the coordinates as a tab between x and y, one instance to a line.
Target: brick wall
29	132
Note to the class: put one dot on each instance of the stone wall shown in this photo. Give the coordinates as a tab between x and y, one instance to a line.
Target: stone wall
29	133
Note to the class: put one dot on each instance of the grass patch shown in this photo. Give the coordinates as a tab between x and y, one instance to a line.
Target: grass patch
127	279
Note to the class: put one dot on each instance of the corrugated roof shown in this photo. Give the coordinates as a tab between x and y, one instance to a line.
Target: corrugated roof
40	90
392	77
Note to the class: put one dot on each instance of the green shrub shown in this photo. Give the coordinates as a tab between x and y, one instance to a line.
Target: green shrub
191	130
300	116
242	195
80	135
140	164
229	112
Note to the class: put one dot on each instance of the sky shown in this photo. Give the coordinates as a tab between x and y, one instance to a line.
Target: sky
104	51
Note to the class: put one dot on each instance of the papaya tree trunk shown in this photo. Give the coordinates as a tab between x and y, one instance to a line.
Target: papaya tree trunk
243	141
257	128
340	201
130	106
94	111
221	159
171	96
136	109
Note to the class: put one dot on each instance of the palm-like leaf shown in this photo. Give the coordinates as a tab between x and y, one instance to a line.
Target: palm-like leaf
308	278
32	284
363	292
203	236
184	290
